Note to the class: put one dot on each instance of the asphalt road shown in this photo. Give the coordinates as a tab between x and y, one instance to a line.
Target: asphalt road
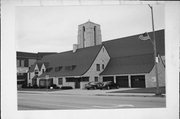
47	101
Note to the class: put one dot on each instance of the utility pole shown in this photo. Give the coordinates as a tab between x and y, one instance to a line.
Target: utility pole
155	54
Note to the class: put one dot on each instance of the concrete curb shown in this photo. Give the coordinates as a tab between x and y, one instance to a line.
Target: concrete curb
95	94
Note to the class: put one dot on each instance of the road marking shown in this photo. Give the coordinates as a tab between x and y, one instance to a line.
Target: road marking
114	106
125	105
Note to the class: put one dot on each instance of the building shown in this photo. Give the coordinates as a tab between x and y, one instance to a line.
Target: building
24	61
127	61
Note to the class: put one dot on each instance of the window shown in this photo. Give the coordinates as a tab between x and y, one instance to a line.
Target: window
96	79
97	67
70	68
71	79
18	63
20	74
102	66
60	81
22	63
58	68
43	71
85	79
49	69
36	72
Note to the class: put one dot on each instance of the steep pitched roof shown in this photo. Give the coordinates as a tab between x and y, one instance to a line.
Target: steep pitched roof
130	55
42	54
39	64
82	59
129	65
132	45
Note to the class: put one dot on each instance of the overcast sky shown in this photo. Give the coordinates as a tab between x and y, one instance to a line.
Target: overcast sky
55	29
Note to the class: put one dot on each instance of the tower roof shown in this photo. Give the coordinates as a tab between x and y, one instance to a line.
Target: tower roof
89	22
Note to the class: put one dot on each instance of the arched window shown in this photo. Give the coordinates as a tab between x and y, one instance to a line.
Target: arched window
83	36
94	35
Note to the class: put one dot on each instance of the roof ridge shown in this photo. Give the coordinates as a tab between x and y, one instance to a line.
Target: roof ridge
130	36
133	55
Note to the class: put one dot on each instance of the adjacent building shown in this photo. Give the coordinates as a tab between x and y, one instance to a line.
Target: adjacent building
24	61
127	61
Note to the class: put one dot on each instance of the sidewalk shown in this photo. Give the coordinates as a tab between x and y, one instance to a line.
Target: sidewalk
93	92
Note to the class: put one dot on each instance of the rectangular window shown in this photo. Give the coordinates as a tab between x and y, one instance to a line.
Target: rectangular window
97	67
70	68
36	72
71	79
58	68
43	71
49	69
18	63
60	81
22	63
85	79
96	79
102	66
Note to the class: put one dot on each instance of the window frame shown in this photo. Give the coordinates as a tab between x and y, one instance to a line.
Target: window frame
98	67
60	81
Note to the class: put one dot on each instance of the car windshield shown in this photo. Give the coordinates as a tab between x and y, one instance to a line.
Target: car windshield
92	83
106	83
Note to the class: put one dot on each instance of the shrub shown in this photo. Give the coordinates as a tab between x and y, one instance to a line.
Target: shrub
35	86
66	87
24	86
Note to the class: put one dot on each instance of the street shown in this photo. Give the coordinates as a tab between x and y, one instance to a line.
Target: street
49	101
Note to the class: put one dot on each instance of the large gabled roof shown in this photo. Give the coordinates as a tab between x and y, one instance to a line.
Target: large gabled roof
132	45
130	55
129	65
82	59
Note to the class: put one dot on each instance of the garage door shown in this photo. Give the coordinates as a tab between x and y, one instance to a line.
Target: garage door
108	78
45	83
122	81
138	81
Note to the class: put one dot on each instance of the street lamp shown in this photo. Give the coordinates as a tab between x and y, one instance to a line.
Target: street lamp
155	54
145	36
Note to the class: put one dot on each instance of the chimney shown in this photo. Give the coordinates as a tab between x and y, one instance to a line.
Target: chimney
75	47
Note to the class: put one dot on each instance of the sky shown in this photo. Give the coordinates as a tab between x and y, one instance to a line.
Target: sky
55	29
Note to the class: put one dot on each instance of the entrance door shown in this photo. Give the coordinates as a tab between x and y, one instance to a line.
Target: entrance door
122	81
138	81
77	82
108	78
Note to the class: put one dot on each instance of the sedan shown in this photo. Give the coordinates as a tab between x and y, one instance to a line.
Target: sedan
109	85
93	85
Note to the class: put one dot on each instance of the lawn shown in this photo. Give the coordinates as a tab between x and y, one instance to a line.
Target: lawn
141	90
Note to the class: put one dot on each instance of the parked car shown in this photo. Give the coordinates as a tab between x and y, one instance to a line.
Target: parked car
93	85
109	85
66	87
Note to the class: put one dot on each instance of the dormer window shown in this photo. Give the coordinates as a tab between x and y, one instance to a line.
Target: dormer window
43	70
36	72
70	68
49	69
58	68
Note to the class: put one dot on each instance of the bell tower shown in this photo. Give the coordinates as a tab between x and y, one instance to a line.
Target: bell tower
89	34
